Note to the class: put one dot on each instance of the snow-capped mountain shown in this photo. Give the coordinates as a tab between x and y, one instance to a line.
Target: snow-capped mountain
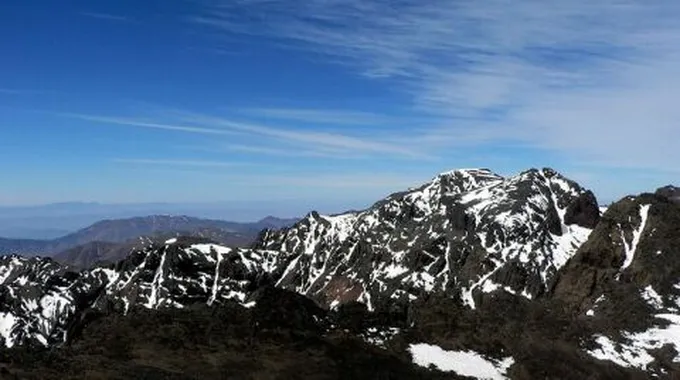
467	232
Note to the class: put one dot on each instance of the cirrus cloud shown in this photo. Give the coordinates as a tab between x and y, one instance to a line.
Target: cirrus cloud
593	80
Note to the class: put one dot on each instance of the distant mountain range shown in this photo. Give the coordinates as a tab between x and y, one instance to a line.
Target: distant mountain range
51	221
108	238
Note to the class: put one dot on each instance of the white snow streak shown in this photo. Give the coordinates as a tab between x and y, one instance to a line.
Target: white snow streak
7	321
215	287
652	297
157	281
637	233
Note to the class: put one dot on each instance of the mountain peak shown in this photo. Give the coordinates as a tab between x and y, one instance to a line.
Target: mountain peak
546	172
473	175
669	191
460	181
467	171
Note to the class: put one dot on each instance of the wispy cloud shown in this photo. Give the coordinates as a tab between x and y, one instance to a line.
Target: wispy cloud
593	79
284	151
321	116
168	162
106	16
317	141
146	124
289	152
325	140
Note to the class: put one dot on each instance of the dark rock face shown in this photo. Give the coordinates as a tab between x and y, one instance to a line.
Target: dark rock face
671	192
584	211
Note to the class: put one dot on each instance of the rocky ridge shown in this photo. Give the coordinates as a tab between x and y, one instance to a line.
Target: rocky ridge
467	232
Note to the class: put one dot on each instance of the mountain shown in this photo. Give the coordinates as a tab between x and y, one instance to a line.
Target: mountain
467	232
123	230
472	275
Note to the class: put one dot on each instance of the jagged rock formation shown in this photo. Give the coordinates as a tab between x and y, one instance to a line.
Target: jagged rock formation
40	297
468	232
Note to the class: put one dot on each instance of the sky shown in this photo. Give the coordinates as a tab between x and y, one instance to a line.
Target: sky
332	103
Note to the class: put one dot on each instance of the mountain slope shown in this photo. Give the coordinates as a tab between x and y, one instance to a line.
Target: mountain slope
626	280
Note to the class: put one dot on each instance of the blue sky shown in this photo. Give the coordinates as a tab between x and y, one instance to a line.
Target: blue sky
330	102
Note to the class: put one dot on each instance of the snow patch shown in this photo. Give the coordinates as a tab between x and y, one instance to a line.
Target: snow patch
652	297
394	270
635	352
465	363
490	286
7	321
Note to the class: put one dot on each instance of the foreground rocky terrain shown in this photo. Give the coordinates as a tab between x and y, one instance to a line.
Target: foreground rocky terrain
471	274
